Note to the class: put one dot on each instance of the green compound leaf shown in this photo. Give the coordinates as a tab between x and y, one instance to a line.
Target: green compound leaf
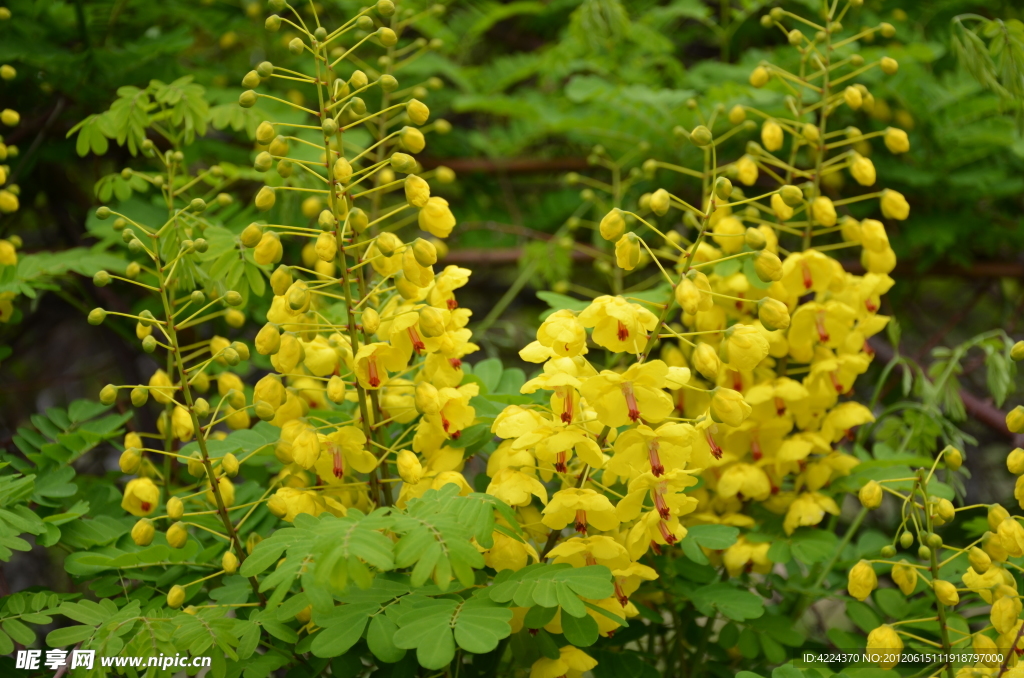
732	602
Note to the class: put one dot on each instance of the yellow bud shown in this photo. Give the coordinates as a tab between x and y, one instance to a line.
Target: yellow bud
265	133
431	322
251	235
746	172
706	361
852	97
326	246
269	249
811	132
737	114
412	139
175	597
417	111
862	580
417	191
388	243
10	117
175	508
953	457
1015	461
979	560
409	467
130	460
1017	352
768	266
265	199
613	225
870	495
311	206
783	211
427	398
896	140
863	171
229	562
905	577
436	218
342	170
894	205
268	340
1015	419
700	136
142	532
628	251
759	76
889	65
773	314
996	515
771	135
177	535
336	389
229	464
824	211
660	201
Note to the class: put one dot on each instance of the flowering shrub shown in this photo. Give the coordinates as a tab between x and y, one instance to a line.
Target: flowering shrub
340	491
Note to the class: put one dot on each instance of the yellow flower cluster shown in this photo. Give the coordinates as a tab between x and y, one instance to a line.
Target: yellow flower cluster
748	395
8	192
361	334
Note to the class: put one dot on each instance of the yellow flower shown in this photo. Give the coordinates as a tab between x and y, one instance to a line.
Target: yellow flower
745	556
808	509
729	407
666	493
563	333
745	481
141	497
516	488
783	211
744	347
727	234
374	361
160	387
508	553
571	663
305	448
643	449
582	507
337	453
619	326
886	644
409	468
417	191
623	398
1005	611
862	580
1011	537
436	218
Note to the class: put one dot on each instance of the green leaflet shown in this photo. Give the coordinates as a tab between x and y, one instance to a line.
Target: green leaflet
549	585
434	627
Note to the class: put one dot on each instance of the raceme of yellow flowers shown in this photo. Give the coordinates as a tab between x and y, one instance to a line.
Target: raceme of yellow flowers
8	192
748	396
365	326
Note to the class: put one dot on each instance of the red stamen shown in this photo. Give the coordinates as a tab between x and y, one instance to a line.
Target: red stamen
780	406
870	306
339	464
417	343
627	391
819	323
146	506
680	400
737	381
755	447
808	280
567	406
655	548
444	422
657	468
371	369
666	533
581	521
619	595
867	349
455	363
739	304
457	435
560	461
835	382
716	451
659	503
591	560
623	332
452	304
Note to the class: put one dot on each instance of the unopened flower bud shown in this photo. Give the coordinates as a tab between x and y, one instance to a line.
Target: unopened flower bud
427	398
247	99
201	407
773	314
907	539
265	199
388	243
862	580
177	536
336	389
130	460
768	266
269	249
432	322
1015	461
175	597
370	320
417	111
108	394
425	252
326	245
953	457
143	532
268	340
613	225
700	136
755	239
759	76
896	140
706	361
412	139
264	410
979	560
723	188
358	221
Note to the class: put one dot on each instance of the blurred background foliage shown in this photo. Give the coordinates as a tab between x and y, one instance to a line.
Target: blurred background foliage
531	88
